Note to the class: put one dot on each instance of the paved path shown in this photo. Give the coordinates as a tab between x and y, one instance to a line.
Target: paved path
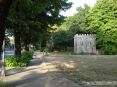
40	73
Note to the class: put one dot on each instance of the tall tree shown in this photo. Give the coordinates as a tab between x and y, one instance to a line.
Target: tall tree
73	25
27	16
4	9
78	21
103	22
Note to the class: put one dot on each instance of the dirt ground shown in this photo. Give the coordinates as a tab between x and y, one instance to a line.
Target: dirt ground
62	70
40	73
99	70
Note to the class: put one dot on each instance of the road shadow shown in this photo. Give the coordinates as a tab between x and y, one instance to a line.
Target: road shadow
48	79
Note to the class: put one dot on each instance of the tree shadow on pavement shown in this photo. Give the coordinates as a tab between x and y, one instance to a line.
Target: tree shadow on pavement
48	79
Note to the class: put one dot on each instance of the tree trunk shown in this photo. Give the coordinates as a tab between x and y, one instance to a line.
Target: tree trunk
2	34
26	47
4	9
17	42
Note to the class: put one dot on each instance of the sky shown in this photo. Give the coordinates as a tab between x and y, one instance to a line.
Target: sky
77	3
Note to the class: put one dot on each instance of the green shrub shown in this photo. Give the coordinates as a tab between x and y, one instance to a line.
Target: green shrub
109	49
26	57
23	61
14	62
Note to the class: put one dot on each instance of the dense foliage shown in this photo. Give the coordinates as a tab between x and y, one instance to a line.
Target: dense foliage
103	22
22	61
100	20
64	37
30	20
